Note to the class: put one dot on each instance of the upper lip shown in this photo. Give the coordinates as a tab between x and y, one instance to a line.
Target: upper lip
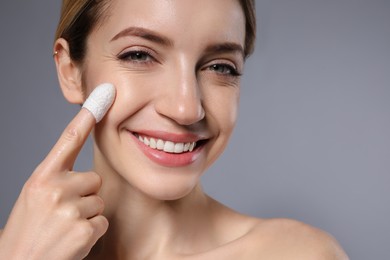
168	136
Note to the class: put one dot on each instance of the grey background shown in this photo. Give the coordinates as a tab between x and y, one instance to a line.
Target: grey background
312	141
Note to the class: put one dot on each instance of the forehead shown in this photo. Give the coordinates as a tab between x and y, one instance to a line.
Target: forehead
180	20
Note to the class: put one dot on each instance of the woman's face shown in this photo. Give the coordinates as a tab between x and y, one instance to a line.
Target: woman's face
175	65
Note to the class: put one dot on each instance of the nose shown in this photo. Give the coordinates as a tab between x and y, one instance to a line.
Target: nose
180	98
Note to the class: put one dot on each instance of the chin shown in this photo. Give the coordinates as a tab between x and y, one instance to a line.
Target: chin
166	184
168	193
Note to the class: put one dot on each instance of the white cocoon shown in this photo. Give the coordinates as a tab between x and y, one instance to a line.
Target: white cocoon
100	100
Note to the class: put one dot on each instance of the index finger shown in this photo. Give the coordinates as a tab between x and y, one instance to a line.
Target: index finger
64	153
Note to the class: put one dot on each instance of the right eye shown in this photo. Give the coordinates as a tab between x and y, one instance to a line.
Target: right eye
136	56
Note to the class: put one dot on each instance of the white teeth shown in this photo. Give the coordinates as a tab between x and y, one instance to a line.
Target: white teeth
187	147
167	146
153	143
192	146
160	144
179	148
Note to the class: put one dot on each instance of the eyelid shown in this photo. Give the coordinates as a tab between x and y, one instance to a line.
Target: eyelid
226	62
137	48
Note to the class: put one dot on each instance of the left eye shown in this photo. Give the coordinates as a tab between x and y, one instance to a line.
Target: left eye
224	69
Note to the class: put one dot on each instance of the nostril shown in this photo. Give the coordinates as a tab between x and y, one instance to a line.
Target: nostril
188	114
182	111
183	106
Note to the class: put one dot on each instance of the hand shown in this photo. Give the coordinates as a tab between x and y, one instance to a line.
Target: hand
58	214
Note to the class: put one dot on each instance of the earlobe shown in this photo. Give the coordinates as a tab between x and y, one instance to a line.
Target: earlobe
68	72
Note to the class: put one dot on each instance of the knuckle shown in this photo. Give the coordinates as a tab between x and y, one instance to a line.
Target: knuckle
34	187
38	190
100	204
84	235
71	212
101	224
105	224
72	134
98	179
94	179
86	231
55	195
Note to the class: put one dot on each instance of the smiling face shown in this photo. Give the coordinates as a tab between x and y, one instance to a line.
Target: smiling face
175	66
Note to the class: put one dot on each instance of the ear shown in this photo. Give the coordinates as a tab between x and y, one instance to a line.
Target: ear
68	72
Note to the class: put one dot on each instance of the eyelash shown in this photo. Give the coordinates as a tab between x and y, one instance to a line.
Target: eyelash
127	56
145	57
232	72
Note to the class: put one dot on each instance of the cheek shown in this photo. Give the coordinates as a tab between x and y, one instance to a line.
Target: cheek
132	91
222	106
221	111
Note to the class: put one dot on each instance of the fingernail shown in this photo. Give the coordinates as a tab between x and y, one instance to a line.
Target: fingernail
100	100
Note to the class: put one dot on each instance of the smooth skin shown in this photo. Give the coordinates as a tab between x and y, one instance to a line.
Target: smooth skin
174	72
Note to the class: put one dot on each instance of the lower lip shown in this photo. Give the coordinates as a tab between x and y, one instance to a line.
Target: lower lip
168	159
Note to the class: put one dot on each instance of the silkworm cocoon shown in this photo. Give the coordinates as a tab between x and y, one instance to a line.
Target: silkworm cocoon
100	100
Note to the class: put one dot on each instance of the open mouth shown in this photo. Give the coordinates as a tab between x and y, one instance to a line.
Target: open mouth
169	146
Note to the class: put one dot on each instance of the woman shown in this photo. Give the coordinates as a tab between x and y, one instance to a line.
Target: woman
176	69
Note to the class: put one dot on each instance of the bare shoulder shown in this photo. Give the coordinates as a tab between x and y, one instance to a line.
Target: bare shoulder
286	238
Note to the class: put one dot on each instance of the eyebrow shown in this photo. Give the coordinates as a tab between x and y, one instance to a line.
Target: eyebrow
226	48
145	34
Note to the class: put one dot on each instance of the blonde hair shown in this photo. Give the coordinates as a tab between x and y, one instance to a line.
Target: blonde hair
248	6
79	17
69	11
